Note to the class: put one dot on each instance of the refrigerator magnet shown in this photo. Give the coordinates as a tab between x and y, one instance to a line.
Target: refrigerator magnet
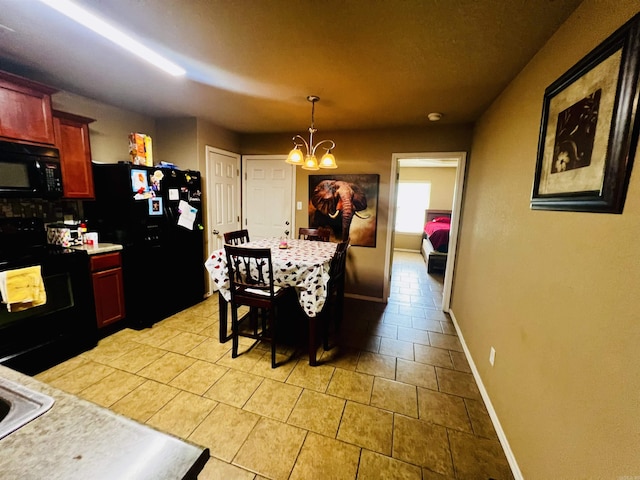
155	206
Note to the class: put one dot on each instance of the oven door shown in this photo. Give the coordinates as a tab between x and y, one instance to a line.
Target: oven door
37	338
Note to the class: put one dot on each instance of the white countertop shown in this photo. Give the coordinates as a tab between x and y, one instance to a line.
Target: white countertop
99	248
77	439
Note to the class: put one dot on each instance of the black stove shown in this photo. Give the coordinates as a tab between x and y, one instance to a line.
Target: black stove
37	338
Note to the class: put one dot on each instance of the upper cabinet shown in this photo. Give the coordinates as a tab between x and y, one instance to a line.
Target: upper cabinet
25	108
72	139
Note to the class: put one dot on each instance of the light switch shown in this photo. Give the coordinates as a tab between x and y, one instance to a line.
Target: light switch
299	206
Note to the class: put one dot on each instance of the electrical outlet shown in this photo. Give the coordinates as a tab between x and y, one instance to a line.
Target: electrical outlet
492	356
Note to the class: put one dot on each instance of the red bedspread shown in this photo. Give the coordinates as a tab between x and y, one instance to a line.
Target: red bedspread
437	231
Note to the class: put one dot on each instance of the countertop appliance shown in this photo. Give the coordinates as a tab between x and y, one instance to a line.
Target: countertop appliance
29	171
39	337
155	213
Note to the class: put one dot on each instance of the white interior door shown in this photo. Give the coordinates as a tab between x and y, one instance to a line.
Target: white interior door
268	196
223	195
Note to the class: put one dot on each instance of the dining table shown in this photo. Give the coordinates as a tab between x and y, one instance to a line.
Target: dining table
303	265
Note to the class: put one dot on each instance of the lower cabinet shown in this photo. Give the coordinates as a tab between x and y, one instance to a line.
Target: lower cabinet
108	291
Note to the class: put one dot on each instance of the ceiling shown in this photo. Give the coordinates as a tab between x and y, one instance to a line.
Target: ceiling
252	63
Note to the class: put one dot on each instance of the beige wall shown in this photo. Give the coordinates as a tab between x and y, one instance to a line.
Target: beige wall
365	152
443	182
109	134
556	293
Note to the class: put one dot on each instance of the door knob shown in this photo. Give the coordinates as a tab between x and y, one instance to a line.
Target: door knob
216	232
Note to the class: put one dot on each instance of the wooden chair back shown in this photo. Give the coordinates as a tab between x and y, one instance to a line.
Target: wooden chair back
236	237
316	234
250	276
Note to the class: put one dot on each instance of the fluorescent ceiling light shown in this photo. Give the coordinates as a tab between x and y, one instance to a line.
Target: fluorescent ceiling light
109	32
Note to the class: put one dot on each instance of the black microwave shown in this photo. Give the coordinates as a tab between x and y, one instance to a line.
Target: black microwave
29	171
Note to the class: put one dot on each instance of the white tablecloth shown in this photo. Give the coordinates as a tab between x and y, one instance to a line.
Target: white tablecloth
304	265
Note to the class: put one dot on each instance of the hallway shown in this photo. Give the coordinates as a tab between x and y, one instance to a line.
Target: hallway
394	399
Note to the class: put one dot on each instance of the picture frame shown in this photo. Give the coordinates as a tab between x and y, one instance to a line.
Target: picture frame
345	202
589	129
155	206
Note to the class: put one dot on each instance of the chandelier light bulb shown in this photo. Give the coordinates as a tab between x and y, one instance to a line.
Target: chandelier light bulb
309	161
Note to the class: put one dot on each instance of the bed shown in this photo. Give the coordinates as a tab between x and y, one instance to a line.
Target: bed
435	239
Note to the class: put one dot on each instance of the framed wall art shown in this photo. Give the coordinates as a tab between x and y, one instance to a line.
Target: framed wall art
347	205
589	129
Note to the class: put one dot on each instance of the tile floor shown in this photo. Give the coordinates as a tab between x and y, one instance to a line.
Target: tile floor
393	399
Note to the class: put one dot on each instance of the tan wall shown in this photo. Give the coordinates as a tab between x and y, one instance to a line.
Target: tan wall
443	182
365	152
109	134
177	142
556	293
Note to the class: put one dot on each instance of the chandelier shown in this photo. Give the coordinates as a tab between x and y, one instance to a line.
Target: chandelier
310	161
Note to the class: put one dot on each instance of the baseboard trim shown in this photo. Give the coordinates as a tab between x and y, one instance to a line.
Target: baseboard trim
364	297
515	469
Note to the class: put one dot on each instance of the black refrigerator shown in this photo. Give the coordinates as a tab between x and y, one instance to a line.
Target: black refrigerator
155	213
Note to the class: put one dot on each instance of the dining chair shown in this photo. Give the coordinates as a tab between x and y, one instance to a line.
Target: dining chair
251	284
317	234
237	237
334	305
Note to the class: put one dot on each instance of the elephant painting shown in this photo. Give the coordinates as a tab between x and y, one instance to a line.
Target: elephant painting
347	205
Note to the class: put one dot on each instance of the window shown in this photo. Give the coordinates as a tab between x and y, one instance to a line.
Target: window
413	200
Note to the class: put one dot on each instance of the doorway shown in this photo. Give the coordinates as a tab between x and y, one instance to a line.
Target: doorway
433	159
268	196
223	196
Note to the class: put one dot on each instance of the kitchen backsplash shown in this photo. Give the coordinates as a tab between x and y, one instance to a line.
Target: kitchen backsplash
49	211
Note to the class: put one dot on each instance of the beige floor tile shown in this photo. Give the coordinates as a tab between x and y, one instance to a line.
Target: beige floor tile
145	400
341	357
224	431
210	350
323	458
374	466
182	414
351	386
135	360
112	388
271	449
183	342
385	330
413	335
415	373
460	362
443	409
199	377
234	388
82	377
274	400
437	357
378	365
448	328
167	367
218	470
156	335
395	396
422	443
316	378
367	427
107	352
457	383
426	324
475	457
318	413
263	366
61	369
480	420
246	360
450	342
396	348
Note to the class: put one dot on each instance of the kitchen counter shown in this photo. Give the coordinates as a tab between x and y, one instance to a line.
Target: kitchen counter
77	439
98	249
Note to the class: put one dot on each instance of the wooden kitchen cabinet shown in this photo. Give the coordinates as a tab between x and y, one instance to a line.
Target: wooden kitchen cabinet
25	110
108	291
72	139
